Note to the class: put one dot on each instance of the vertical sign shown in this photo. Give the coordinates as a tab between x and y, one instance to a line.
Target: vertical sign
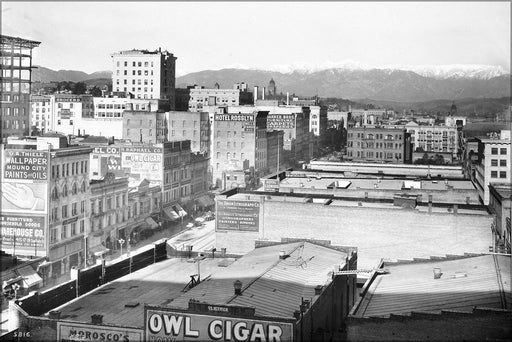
24	206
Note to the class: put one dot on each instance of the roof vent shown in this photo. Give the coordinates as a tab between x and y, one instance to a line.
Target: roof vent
283	255
237	285
318	290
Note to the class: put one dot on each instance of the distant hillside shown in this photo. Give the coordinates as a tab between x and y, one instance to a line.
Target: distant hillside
45	75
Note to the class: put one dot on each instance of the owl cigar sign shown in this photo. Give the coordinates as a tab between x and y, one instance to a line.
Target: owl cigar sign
166	324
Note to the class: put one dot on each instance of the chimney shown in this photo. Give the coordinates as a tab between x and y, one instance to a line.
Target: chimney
287	98
318	290
97	319
255	94
237	285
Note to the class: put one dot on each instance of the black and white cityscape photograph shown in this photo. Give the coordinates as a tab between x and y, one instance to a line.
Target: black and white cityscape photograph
255	171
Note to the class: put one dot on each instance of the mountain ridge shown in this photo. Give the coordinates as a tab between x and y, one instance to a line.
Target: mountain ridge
353	83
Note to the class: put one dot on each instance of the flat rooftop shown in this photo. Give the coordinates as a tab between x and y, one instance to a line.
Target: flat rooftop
474	281
156	284
273	286
379	230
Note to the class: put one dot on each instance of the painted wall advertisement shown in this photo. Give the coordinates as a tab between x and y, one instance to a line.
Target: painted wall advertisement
171	325
280	121
24	202
72	331
144	161
238	215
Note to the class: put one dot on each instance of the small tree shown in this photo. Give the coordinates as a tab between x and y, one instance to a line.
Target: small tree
95	91
79	88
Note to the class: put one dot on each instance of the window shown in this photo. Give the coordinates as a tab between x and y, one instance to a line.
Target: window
65	190
64	211
503	174
74	210
82	207
63	232
494	162
494	174
53	236
503	162
74	189
82	226
73	228
503	151
494	150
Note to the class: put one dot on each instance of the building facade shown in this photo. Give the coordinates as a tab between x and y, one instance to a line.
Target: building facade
41	113
433	138
193	126
16	65
494	163
500	197
378	144
145	74
144	127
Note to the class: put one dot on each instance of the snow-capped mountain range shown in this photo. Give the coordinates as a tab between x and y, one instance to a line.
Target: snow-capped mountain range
478	71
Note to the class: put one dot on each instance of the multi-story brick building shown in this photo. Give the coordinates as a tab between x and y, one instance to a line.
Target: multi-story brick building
145	74
378	144
493	164
68	111
144	127
59	183
193	126
239	138
16	65
41	113
199	97
433	138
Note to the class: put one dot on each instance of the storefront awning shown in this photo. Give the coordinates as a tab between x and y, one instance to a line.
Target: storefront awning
30	276
205	201
98	250
171	214
179	210
152	224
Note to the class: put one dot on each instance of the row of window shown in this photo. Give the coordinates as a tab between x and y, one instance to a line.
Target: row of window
503	151
66	232
110	202
54	215
230	155
503	174
228	144
16	111
69	169
502	162
135	64
139	82
136	73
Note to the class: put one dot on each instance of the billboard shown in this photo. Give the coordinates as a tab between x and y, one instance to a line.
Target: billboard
144	161
238	215
24	206
280	121
23	234
270	184
72	331
162	324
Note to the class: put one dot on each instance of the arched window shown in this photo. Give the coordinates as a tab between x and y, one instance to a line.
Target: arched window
55	194
74	189
83	186
65	191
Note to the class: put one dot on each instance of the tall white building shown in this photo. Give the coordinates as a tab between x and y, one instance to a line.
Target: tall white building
433	138
145	74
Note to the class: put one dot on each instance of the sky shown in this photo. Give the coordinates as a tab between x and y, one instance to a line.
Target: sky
264	35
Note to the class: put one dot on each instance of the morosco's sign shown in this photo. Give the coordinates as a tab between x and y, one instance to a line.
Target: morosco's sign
238	215
171	325
71	331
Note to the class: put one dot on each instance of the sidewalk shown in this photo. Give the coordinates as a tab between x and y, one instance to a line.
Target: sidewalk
114	254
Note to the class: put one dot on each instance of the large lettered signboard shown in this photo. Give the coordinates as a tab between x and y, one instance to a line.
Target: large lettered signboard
238	215
24	202
73	331
163	324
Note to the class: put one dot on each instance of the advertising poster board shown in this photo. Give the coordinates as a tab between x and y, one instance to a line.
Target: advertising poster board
24	203
166	324
238	215
73	331
144	161
280	121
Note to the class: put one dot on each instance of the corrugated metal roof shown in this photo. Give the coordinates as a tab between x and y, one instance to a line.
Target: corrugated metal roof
274	287
464	283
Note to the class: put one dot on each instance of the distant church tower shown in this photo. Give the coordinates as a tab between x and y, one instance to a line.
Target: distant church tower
216	86
272	90
453	109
